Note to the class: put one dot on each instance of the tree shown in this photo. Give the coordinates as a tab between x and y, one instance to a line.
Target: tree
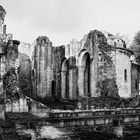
136	40
15	84
24	73
136	46
11	84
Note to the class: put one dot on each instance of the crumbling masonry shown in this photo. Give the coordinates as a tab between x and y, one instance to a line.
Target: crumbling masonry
98	65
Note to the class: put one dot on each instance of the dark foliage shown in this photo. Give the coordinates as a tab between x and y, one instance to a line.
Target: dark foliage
136	46
24	73
108	87
11	84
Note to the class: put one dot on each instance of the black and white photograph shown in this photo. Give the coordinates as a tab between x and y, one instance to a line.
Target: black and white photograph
69	70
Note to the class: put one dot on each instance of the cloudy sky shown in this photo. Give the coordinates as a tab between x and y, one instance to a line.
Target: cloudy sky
63	20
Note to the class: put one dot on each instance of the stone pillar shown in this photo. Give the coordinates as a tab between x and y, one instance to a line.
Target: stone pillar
4	29
81	80
2	112
2	73
92	80
71	84
2	18
12	54
44	67
63	84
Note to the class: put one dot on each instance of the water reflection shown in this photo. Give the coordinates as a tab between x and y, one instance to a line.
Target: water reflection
49	132
42	132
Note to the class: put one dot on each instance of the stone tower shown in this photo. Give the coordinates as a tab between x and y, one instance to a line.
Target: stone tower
2	17
2	59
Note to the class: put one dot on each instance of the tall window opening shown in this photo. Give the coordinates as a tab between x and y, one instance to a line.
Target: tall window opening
87	77
65	79
125	75
53	88
136	84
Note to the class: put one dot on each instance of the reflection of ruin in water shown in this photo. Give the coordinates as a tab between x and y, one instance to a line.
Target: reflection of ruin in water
50	132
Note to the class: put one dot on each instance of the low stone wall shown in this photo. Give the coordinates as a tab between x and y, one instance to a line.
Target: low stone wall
113	120
17	105
26	104
39	110
94	112
94	117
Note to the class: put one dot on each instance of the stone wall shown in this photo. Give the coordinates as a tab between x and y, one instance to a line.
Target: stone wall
95	66
122	64
12	54
94	117
26	104
2	17
73	78
134	80
10	80
58	55
123	72
42	67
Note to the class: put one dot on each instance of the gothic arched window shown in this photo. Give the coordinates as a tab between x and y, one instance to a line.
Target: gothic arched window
125	75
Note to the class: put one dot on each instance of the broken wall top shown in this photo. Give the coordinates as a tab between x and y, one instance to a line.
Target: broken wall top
2	13
41	40
89	42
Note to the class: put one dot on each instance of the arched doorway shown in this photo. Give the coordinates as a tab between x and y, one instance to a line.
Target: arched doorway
65	79
84	74
87	77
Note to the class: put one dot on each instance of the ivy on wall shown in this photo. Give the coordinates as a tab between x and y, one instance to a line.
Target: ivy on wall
106	83
24	74
108	87
11	84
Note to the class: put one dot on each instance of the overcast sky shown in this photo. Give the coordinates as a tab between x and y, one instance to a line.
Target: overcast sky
63	20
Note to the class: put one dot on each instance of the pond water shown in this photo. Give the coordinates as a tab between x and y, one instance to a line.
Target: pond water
49	132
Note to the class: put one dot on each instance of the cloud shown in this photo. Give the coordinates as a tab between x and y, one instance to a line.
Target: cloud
57	15
63	20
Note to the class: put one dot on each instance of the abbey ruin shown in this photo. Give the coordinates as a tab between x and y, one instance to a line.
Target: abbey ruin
84	84
98	65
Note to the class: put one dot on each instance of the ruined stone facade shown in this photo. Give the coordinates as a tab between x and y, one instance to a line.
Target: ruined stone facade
135	68
2	17
7	57
4	38
98	65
